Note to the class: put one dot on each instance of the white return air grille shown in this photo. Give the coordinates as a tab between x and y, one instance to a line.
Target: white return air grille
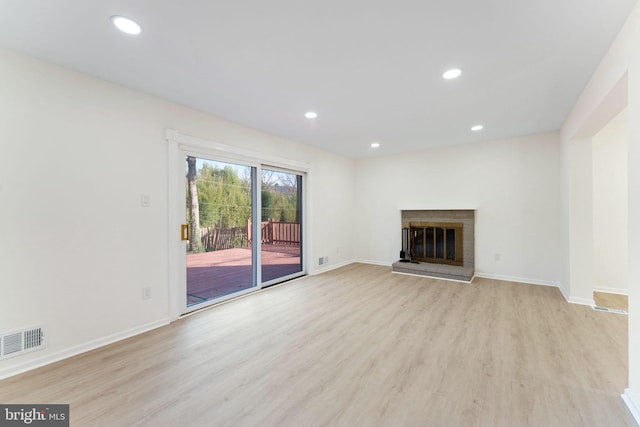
20	342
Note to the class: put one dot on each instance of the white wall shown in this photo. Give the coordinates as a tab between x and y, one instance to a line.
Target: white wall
514	184
610	207
614	84
76	247
632	394
580	223
76	153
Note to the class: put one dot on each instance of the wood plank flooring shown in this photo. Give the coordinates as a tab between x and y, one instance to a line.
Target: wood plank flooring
357	346
606	300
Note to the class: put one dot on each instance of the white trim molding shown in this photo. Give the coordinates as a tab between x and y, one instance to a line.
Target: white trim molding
180	145
569	299
228	152
572	300
633	403
367	261
564	293
331	267
616	291
79	349
582	301
517	279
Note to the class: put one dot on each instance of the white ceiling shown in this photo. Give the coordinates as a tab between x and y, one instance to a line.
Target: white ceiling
370	68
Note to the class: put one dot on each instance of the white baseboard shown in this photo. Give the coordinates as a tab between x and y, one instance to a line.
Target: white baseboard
582	301
572	300
349	262
617	291
368	261
517	279
331	267
633	403
564	293
78	349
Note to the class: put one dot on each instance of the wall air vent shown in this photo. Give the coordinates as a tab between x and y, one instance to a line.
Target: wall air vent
20	342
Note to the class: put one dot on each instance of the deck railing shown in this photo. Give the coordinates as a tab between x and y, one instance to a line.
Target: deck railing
218	238
272	232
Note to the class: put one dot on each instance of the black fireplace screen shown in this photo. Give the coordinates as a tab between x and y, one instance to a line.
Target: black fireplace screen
435	242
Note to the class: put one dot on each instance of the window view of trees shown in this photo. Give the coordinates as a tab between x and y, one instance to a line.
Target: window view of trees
279	192
219	202
224	198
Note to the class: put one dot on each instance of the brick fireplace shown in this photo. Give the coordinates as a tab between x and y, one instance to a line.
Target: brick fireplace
438	243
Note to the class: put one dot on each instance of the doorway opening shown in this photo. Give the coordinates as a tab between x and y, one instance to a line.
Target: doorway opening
610	214
242	226
218	208
280	225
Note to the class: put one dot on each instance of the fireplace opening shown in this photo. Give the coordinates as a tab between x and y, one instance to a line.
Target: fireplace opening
434	245
439	243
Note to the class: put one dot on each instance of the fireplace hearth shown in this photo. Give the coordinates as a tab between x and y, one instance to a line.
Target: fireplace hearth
438	243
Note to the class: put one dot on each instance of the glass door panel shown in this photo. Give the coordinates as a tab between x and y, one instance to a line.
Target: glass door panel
418	238
430	245
439	243
451	243
219	207
281	225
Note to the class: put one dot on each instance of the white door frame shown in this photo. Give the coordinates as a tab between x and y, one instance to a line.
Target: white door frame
180	145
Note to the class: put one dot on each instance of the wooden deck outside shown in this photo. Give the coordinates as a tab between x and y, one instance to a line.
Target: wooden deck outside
215	274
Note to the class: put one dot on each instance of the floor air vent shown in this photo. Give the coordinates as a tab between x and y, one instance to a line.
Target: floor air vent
20	342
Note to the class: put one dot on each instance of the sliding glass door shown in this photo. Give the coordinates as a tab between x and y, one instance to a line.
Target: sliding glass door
219	208
243	228
281	225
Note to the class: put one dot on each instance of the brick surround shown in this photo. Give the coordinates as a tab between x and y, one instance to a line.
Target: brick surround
466	271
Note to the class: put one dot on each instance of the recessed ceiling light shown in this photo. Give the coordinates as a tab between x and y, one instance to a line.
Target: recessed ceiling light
126	25
311	115
375	144
477	128
452	74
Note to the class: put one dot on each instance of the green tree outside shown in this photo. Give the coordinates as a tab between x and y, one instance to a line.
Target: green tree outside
224	198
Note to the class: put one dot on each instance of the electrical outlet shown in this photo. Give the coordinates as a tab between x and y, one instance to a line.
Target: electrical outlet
325	260
320	260
146	293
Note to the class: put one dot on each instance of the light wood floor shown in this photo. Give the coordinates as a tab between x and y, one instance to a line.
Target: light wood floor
606	300
358	346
